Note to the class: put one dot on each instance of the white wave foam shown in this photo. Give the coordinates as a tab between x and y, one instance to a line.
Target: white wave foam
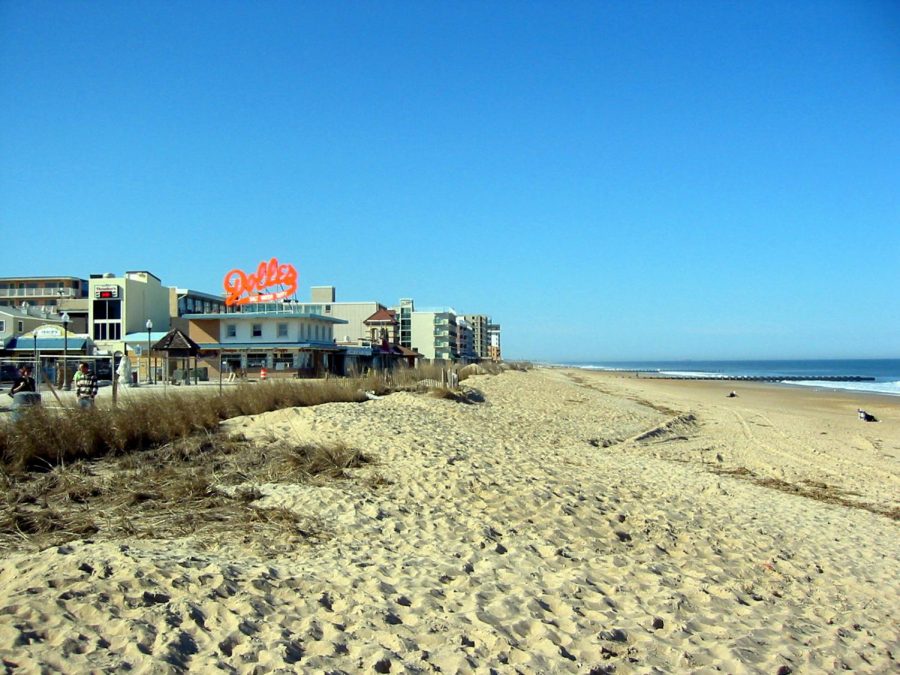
891	388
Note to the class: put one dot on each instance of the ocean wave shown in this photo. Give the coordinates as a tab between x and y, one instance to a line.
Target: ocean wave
611	369
891	388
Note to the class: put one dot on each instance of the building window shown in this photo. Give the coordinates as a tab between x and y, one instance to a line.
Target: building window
282	330
2	326
107	309
230	330
256	330
108	330
21	326
256	360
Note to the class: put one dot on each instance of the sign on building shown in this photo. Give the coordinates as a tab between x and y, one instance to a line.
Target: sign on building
242	288
106	291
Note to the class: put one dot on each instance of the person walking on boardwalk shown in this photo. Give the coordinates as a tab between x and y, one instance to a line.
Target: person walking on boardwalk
85	386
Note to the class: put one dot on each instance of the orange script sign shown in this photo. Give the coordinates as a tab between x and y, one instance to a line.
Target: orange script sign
243	289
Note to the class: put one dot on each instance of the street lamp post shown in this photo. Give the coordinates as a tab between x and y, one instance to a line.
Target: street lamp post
65	320
149	366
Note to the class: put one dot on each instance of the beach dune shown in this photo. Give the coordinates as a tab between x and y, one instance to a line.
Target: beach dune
568	522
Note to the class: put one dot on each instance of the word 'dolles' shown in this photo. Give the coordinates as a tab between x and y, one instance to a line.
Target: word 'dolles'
242	288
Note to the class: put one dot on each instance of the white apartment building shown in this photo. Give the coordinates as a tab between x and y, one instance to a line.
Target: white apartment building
276	336
353	314
434	333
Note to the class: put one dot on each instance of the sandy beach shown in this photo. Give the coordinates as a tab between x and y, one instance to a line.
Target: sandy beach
566	521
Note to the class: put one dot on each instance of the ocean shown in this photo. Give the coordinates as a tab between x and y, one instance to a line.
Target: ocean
886	372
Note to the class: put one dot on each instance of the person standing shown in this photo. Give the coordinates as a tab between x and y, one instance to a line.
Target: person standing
85	386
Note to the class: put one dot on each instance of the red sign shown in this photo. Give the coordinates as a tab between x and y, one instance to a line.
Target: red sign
244	289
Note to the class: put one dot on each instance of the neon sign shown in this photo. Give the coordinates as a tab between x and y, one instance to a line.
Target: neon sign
244	289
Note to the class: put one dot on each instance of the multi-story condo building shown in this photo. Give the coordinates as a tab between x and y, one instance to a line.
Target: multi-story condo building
465	347
44	292
494	352
404	316
352	314
480	340
434	333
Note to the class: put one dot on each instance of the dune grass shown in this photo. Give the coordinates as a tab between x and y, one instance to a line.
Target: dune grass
167	472
204	486
45	437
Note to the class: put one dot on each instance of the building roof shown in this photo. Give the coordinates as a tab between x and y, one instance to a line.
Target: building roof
141	338
176	341
248	316
382	316
265	346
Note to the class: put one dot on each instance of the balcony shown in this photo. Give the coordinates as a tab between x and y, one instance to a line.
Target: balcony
38	293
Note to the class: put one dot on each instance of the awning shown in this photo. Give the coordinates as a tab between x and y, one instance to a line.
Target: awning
46	344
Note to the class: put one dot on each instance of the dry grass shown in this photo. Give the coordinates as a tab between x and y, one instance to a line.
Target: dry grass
45	437
155	467
820	492
203	486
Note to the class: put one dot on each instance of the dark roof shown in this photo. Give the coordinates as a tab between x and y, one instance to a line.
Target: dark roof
176	341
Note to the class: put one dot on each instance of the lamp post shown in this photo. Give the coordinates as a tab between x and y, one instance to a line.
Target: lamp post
149	371
65	320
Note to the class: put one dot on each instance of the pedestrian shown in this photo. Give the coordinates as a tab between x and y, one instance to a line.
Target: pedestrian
85	386
23	393
24	382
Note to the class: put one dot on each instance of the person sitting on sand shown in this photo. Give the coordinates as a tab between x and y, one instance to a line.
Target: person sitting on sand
865	417
732	395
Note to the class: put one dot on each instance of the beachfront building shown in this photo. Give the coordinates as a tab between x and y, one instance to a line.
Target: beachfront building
494	342
434	333
404	317
40	292
188	301
353	314
17	321
285	338
480	338
119	308
54	347
465	337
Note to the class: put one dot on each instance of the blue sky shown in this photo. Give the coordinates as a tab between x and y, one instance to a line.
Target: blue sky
607	180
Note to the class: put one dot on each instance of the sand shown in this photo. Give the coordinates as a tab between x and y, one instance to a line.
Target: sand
569	522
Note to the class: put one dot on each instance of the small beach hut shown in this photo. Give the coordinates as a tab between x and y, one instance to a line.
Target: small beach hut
178	345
